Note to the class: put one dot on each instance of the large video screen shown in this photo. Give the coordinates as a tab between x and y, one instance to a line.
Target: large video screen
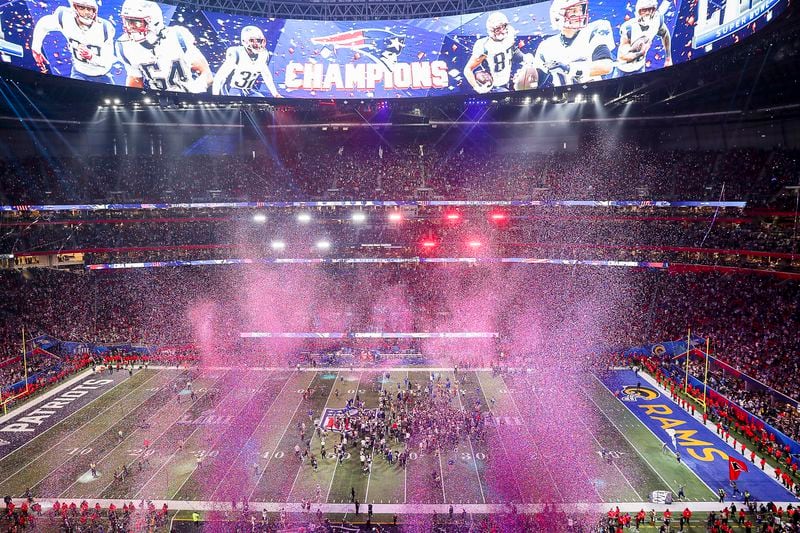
139	43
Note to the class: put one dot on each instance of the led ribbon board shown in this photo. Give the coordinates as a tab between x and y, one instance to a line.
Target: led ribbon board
180	49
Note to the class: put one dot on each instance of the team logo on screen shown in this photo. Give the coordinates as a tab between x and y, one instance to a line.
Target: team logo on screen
385	44
631	393
380	49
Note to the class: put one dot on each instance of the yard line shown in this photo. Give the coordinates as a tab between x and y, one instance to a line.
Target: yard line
536	446
502	441
71	433
172	455
337	458
266	411
313	436
471	449
629	441
250	497
372	452
405	468
615	465
219	435
441	474
120	443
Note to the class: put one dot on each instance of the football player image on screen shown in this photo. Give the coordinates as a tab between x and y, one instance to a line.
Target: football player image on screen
90	40
159	57
581	50
490	65
244	66
636	36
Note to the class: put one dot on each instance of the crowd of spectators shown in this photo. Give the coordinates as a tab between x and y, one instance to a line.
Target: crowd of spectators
321	169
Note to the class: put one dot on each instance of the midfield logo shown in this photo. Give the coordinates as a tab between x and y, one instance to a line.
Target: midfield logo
338	419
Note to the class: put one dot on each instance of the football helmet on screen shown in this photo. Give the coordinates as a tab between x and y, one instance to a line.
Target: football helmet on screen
142	20
253	39
497	26
85	11
646	11
569	14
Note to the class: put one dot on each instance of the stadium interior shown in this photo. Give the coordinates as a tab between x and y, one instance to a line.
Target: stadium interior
565	308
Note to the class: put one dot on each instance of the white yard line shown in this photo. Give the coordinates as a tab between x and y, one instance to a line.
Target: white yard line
172	455
266	411
405	468
327	496
471	449
534	441
314	434
73	432
372	452
502	441
250	497
219	435
629	441
134	432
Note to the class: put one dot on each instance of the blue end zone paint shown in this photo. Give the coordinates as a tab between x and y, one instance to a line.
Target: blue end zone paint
700	448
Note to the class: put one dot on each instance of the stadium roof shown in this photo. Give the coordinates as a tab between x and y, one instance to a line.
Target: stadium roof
351	9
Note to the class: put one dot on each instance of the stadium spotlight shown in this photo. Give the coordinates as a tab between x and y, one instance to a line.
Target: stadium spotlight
498	216
303	218
474	244
359	217
595	97
579	98
278	245
323	245
116	101
452	216
395	216
107	101
260	218
146	100
428	243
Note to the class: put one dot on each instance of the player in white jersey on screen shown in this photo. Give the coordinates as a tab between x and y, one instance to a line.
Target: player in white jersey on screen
243	67
158	57
489	67
581	50
636	36
90	40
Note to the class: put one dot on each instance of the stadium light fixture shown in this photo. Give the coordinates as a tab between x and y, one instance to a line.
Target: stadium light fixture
359	217
323	245
260	218
395	216
304	218
595	97
278	245
147	100
107	101
116	101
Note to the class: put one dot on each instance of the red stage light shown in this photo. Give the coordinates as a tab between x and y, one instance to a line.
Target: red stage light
452	216
498	217
428	244
474	244
395	216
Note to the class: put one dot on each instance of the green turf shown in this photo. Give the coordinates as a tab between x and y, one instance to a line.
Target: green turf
268	439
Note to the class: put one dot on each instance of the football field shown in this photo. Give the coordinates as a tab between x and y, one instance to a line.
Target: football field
231	435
